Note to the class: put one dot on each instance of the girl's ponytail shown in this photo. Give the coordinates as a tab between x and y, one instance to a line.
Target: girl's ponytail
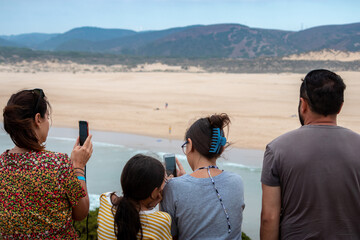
127	219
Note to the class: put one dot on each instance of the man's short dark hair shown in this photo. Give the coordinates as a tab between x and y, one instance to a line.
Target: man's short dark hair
324	91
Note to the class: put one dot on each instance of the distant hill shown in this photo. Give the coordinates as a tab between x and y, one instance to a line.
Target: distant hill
125	44
31	40
7	43
337	37
73	39
223	40
198	41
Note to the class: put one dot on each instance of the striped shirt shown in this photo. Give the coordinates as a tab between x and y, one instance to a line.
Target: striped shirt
155	224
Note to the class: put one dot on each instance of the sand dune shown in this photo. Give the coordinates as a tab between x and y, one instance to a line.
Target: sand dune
261	106
326	55
72	67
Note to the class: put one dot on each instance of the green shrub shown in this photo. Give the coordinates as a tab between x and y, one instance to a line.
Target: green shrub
92	226
244	236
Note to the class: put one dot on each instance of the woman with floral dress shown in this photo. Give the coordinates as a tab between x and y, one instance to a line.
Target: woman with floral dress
41	192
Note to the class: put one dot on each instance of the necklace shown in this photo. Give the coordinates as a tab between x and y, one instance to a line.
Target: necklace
217	193
208	167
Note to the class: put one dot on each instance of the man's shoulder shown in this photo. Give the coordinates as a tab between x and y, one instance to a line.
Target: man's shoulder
311	131
350	132
287	137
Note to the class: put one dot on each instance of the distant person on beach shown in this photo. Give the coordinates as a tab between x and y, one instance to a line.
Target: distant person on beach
41	192
133	215
208	203
311	175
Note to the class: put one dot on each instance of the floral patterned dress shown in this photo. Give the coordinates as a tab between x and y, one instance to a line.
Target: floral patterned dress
37	192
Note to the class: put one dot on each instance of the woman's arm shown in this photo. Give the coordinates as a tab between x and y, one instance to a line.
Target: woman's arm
81	210
79	157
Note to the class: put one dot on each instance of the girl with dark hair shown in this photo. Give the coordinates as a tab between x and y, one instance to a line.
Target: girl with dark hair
132	216
40	191
208	203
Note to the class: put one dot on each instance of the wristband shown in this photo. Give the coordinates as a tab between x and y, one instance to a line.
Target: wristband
82	173
81	178
80	169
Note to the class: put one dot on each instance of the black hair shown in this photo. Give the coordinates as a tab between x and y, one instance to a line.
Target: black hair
19	115
140	176
324	91
200	133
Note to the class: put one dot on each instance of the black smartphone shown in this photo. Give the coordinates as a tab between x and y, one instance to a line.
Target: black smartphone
83	131
170	164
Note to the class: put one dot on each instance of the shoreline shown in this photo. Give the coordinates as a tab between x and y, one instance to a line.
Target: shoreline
248	157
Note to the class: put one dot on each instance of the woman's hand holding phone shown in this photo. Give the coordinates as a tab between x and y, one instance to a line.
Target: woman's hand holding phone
80	155
170	165
180	169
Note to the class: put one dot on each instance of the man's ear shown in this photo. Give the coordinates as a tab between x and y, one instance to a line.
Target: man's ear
304	105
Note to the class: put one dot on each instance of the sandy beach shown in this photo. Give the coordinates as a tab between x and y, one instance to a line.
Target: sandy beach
261	106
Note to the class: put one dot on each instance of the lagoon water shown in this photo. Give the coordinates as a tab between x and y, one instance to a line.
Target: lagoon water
112	150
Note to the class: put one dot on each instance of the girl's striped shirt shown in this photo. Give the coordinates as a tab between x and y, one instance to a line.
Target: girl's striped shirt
155	224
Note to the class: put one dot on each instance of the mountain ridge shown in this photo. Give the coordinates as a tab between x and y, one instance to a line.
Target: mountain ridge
198	41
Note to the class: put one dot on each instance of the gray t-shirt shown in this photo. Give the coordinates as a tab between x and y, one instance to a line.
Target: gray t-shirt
318	170
196	210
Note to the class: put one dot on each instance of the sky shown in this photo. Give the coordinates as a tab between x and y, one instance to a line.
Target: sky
59	16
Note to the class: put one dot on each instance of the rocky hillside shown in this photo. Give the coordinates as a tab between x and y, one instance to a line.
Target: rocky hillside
212	41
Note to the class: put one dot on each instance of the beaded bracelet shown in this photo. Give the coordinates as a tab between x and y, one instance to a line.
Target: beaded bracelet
80	173
80	169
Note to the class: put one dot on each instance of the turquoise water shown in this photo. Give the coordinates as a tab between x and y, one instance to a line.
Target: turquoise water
112	150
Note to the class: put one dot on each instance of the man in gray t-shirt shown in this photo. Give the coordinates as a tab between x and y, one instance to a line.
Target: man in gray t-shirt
311	176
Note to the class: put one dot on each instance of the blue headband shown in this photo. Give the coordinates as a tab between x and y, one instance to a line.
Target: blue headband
217	141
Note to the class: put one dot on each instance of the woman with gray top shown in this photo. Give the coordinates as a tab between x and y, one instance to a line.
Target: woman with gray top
208	203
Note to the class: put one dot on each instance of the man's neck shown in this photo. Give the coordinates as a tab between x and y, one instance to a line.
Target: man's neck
322	120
